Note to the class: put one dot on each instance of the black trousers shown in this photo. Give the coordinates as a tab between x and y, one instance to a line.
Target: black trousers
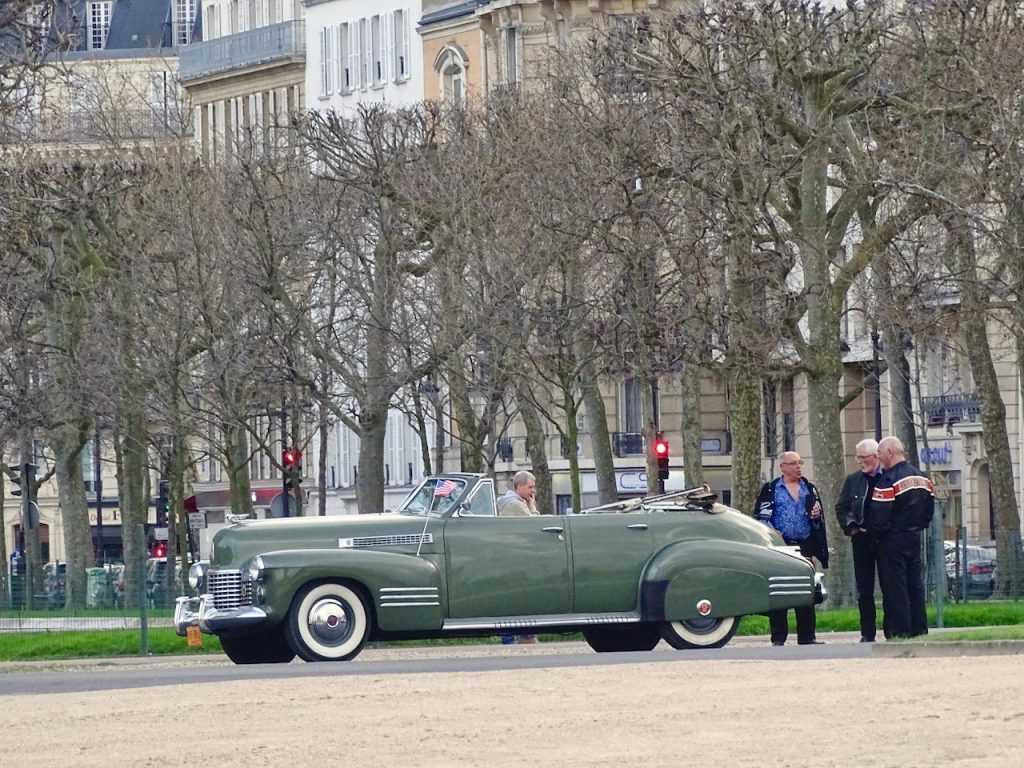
865	558
806	619
899	574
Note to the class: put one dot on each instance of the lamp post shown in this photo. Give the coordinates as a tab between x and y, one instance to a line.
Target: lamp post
659	484
878	383
100	550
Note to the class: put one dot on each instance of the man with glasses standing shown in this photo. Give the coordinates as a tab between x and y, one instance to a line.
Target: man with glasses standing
791	505
851	514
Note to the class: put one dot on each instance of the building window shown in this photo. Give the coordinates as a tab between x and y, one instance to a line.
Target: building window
326	61
184	21
401	25
628	34
164	99
450	66
364	54
511	55
344	59
455	87
633	405
99	24
563	35
377	43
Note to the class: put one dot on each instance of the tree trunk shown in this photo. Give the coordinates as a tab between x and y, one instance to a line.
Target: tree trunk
470	441
67	442
537	451
321	462
236	449
974	305
5	587
744	388
373	422
823	358
745	424
133	489
181	534
600	439
904	425
570	407
691	425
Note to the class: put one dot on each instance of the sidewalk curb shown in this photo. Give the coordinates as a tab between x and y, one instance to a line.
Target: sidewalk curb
892	650
925	650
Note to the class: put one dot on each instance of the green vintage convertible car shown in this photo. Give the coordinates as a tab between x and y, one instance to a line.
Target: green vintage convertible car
679	567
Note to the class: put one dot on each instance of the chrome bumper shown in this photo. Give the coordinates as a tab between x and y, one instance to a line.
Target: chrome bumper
199	611
820	592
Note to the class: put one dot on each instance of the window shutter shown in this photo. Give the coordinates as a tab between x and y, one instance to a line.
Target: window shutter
390	70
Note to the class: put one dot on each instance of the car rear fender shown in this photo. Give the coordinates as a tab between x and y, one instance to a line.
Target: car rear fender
714	578
405	592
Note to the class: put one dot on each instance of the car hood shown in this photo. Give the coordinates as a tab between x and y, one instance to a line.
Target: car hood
233	545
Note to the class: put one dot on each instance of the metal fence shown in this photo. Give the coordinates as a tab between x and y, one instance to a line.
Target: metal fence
111	602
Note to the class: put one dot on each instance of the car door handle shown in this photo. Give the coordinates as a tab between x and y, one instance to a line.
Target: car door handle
552	529
638	526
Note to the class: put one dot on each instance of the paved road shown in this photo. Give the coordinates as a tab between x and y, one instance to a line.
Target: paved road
79	675
137	672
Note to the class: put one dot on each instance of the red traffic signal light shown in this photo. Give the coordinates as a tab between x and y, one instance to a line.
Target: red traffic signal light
290	457
159	549
661	454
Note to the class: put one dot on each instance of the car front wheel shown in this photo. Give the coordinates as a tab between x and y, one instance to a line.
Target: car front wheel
328	622
634	637
700	633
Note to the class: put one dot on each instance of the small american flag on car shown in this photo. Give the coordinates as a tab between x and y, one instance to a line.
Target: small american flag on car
445	487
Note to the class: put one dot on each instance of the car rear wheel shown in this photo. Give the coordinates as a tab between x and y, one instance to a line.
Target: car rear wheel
269	647
634	637
700	633
328	622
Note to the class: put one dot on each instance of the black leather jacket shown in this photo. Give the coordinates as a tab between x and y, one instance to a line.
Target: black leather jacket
852	504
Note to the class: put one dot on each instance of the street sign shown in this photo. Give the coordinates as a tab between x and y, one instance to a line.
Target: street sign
277	506
159	534
196	519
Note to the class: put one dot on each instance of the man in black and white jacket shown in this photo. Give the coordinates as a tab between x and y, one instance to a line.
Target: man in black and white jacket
901	507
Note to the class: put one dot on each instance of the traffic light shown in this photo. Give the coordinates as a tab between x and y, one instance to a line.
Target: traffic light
291	467
290	457
159	549
661	454
163	504
23	477
13	472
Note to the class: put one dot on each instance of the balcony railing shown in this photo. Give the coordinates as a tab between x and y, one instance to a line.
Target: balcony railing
628	443
99	125
951	409
265	45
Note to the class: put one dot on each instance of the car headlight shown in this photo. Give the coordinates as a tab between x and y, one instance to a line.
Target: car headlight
254	569
197	576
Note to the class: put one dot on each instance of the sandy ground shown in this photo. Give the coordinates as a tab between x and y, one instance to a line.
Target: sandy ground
878	712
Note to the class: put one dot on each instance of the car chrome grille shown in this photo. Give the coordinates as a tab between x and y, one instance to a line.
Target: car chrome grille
387	541
228	590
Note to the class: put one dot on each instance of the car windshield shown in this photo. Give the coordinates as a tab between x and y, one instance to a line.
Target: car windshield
435	497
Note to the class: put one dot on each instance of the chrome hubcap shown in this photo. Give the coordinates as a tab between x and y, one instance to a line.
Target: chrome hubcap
329	621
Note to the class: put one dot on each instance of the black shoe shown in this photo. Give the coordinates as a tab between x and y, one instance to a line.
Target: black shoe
778	642
867	639
810	642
